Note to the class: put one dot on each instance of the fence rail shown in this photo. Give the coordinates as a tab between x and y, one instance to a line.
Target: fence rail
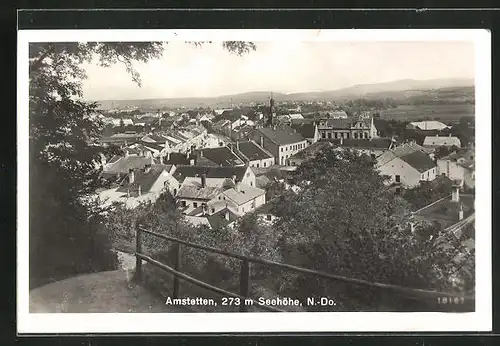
468	302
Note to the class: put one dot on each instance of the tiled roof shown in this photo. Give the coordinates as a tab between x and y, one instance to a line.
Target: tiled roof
245	194
262	181
419	160
144	179
281	135
182	172
306	130
125	163
442	141
177	159
222	156
197	192
218	219
253	151
336	123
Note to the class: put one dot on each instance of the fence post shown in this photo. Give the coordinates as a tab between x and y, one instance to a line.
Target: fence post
177	267
138	250
244	283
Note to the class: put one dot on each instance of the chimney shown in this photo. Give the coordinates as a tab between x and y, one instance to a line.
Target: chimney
227	215
168	156
341	140
139	190
103	160
191	162
131	176
261	141
203	180
237	144
237	187
147	168
201	153
461	212
126	153
234	178
455	194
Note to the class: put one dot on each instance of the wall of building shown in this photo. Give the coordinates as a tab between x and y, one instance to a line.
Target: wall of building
285	151
166	181
249	178
266	143
409	176
252	204
262	163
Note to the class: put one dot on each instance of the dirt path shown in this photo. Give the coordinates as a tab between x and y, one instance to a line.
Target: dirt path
102	292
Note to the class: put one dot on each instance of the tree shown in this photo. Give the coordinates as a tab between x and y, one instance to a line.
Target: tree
345	222
64	134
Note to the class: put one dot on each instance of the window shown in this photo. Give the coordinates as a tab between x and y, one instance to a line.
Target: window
213	210
184	203
323	135
329	135
268	217
443	174
427	175
336	135
219	198
398	190
347	135
342	135
195	205
355	135
422	177
248	174
293	163
398	178
265	164
366	135
373	156
175	192
281	149
251	183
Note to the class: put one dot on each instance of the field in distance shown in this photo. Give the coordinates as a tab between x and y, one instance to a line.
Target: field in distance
446	112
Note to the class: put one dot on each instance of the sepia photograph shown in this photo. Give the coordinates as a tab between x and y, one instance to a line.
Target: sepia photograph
254	180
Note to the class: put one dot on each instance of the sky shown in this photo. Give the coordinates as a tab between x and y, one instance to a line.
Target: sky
281	66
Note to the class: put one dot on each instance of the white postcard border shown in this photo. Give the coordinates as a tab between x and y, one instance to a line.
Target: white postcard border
480	320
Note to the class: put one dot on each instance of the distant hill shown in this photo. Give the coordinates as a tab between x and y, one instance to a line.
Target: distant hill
395	89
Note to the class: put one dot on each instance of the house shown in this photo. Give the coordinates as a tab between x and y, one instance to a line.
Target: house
223	218
254	155
441	141
459	166
428	125
240	199
141	185
119	166
243	174
406	165
355	127
281	141
221	156
308	130
195	192
122	138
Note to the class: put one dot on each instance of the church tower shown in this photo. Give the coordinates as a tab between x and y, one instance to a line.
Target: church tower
270	120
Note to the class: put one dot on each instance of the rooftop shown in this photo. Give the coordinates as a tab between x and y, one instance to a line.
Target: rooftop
221	156
144	179
182	172
374	143
125	163
307	130
253	151
311	150
281	135
218	219
246	193
429	125
419	160
442	141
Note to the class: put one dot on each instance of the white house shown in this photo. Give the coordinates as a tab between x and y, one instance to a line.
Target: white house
406	165
441	141
281	141
240	199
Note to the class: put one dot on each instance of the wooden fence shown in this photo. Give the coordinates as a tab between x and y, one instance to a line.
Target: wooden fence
467	303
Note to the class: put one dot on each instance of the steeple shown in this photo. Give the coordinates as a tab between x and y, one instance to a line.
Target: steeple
270	121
